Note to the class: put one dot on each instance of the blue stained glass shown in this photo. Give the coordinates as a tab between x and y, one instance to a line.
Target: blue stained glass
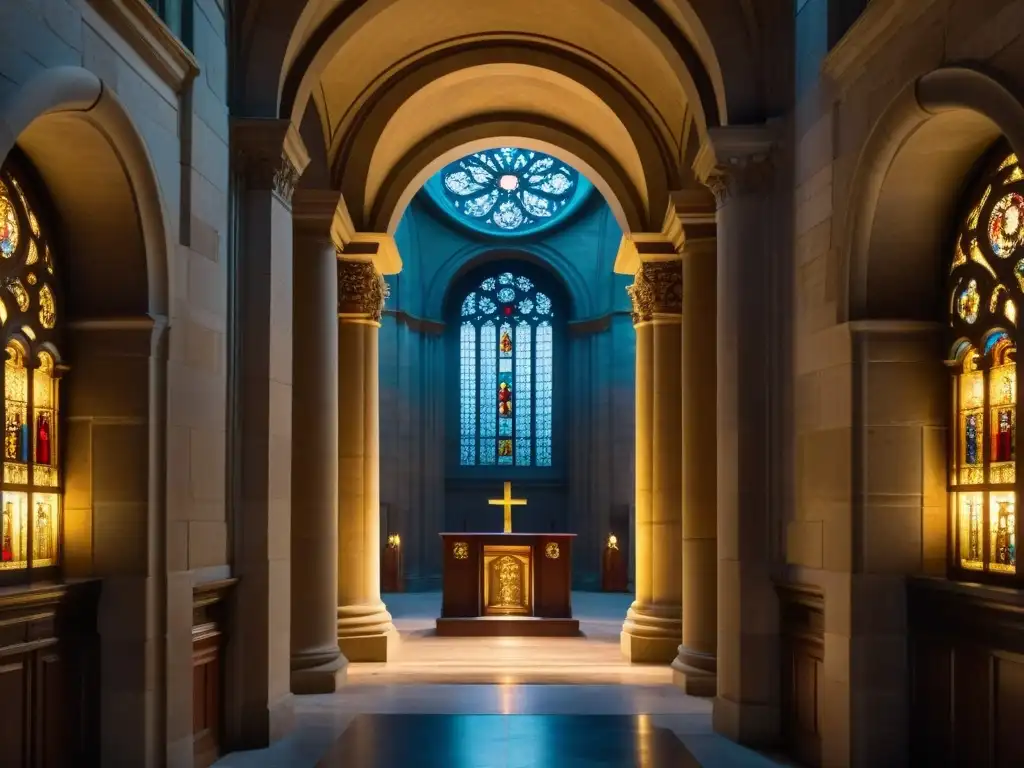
543	304
524	385
467	444
509	190
544	364
971	440
506	375
992	340
488	386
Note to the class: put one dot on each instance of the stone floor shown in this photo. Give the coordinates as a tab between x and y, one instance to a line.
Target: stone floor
503	703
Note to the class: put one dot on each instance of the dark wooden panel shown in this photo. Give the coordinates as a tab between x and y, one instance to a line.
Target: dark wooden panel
552	578
461	578
210	620
931	708
802	621
14	693
1009	701
51	710
971	706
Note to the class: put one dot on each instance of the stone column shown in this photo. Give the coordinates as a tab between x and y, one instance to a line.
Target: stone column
653	624
270	156
749	463
316	661
694	669
365	631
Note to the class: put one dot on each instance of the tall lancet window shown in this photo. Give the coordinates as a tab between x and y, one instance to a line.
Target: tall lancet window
506	355
30	509
986	288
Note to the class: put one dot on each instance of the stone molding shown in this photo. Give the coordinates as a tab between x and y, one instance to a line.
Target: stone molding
361	289
314	211
270	154
657	289
147	35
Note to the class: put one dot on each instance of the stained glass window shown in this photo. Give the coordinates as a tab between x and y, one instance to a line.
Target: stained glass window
986	283
508	190
506	380
30	497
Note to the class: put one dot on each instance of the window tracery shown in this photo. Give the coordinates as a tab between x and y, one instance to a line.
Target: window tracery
506	358
986	284
508	190
30	495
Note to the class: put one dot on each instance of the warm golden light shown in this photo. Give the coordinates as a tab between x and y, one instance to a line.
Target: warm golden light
613	541
394	541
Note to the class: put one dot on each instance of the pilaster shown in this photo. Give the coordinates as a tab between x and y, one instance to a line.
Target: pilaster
653	623
738	166
268	160
317	665
364	626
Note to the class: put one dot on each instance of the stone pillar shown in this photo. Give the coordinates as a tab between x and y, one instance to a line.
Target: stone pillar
316	661
269	156
365	631
749	465
653	624
694	669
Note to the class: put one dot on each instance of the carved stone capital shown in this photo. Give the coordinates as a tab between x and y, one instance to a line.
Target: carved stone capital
361	289
748	175
737	160
270	155
657	289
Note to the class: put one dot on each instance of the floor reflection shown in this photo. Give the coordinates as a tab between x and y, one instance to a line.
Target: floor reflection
507	741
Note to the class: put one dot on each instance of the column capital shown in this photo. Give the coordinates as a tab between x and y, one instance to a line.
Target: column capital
314	212
737	160
270	154
657	289
361	289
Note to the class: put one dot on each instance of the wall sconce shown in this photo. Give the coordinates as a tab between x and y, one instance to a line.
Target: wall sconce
394	541
613	541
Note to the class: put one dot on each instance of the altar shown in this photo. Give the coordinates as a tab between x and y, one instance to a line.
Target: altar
507	584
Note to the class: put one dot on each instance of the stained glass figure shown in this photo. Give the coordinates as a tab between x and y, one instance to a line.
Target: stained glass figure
969	302
985	287
511	366
509	190
1004	228
30	500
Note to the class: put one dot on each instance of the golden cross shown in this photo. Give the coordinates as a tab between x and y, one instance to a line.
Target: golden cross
507	502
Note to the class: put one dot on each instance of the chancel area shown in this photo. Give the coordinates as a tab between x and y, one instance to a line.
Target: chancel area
625	380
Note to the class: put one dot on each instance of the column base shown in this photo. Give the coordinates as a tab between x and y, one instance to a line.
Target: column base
366	648
695	672
366	633
323	678
650	633
752	725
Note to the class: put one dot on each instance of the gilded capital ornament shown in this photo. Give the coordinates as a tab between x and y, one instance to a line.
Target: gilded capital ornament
657	289
361	289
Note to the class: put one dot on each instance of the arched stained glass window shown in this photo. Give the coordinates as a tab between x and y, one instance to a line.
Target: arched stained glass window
506	358
986	288
508	191
30	507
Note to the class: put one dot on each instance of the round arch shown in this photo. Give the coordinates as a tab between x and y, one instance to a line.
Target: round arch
470	258
906	186
409	174
69	106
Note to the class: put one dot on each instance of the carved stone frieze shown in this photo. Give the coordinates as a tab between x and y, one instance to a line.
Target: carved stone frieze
657	289
361	289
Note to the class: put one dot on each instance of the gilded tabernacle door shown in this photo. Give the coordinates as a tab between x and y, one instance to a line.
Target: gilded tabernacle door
508	583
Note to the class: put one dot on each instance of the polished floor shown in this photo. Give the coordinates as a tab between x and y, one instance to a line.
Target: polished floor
503	703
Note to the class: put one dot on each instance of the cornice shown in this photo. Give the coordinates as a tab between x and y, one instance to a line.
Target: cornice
142	29
880	21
